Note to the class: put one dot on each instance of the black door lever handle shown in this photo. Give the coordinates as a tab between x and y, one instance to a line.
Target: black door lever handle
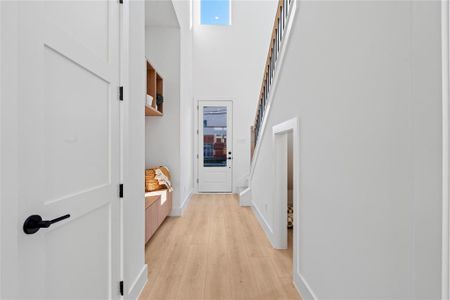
34	222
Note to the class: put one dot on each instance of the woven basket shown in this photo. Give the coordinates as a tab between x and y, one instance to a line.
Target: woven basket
151	183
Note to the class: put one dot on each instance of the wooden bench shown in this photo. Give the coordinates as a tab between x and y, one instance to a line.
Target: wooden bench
158	205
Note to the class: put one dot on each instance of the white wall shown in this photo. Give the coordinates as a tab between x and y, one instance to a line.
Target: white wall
134	268
182	9
364	80
229	64
427	143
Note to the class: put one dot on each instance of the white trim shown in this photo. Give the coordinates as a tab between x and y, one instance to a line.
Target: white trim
279	66
280	131
245	197
195	128
230	13
191	15
445	293
1	142
124	19
9	35
179	211
138	284
286	126
197	101
303	288
195	148
264	224
241	184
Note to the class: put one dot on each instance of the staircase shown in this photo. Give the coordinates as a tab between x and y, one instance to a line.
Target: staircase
280	31
280	36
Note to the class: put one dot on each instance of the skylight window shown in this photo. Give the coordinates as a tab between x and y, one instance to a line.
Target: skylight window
215	12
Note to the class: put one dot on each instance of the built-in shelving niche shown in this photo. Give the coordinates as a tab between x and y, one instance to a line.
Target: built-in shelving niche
155	87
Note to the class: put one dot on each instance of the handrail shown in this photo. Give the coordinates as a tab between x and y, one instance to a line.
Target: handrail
281	18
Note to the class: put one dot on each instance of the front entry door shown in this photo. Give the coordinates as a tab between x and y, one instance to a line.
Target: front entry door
215	146
68	140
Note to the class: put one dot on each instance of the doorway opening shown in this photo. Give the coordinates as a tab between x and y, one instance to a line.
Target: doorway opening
290	193
286	167
284	191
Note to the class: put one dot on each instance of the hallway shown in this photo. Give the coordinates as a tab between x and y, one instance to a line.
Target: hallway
217	250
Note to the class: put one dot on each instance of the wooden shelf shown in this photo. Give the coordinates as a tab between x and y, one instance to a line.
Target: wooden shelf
152	112
154	88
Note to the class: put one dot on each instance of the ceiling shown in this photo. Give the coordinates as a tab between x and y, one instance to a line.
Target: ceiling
160	13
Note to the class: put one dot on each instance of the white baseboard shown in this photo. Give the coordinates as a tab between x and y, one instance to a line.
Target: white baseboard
303	288
245	197
262	221
138	285
178	211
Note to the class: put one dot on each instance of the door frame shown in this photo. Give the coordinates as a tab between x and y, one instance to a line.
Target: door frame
280	144
197	135
445	36
8	149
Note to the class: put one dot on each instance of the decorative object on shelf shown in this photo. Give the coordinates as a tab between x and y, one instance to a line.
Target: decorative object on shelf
163	179
159	99
155	90
149	100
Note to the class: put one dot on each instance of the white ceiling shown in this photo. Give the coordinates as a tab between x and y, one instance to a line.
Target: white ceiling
160	13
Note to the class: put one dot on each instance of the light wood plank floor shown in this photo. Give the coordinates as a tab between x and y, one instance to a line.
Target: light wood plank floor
217	250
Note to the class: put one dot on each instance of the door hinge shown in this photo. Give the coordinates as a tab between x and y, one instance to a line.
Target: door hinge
197	156
121	190
197	107
121	288
197	180
197	131
121	93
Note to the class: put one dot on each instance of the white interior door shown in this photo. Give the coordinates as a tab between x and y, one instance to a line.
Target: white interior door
215	146
68	160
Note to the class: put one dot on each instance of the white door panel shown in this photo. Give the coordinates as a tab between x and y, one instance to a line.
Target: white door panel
63	254
83	21
69	148
215	146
